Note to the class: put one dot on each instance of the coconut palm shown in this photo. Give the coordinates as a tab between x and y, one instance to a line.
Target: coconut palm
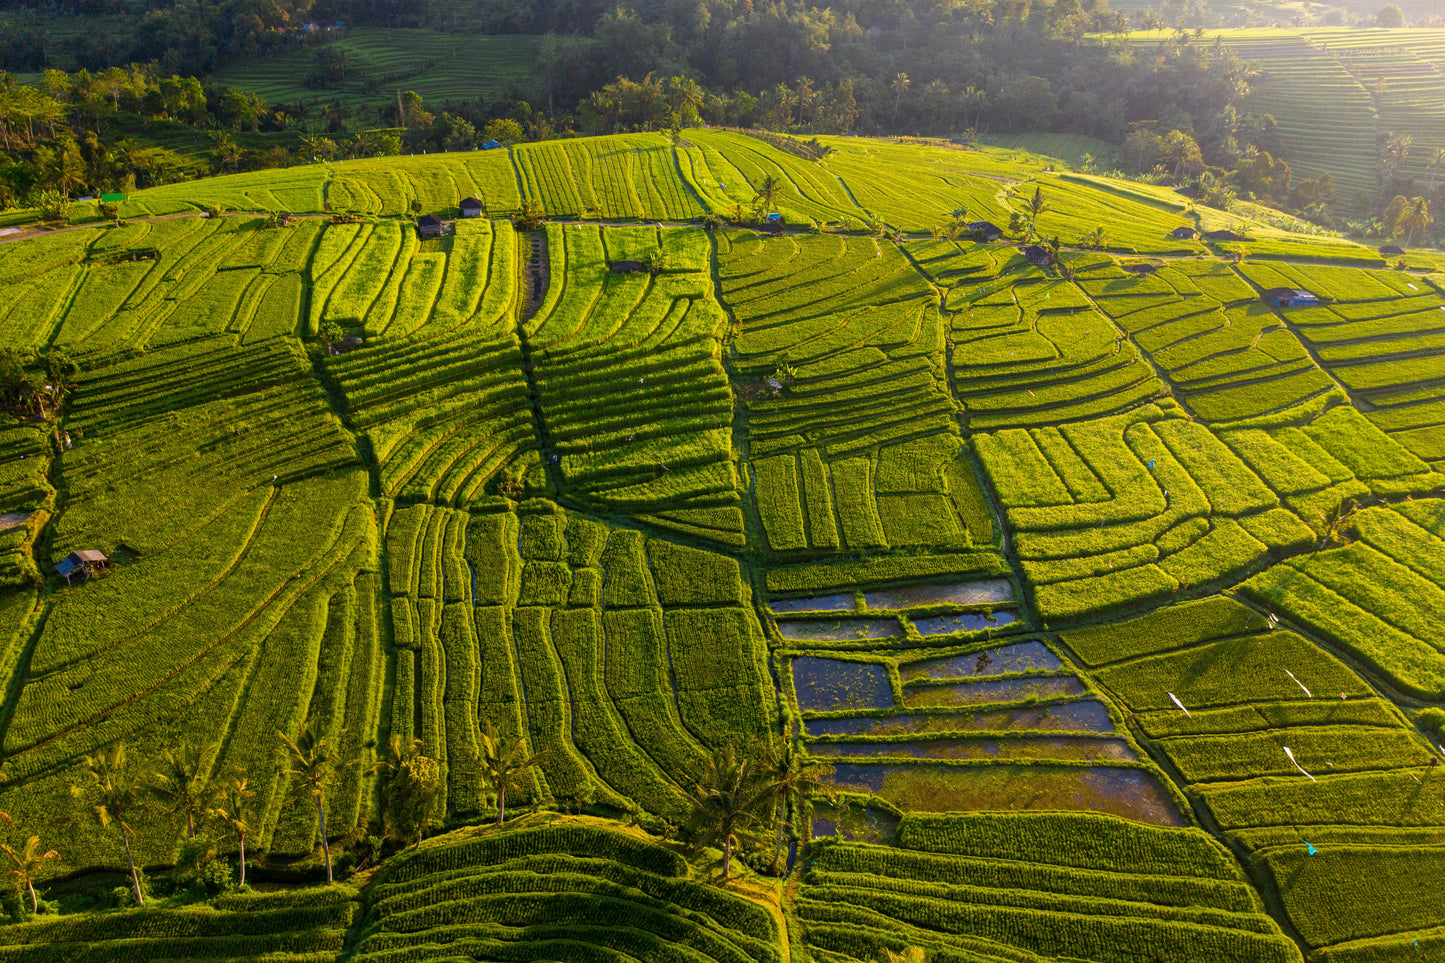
1335	522
178	781
235	810
501	764
899	84
787	777
1095	239
113	790
1417	219
1437	164
26	863
1037	206
909	954
315	767
726	805
769	190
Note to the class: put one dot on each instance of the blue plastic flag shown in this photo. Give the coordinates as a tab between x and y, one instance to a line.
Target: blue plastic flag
1311	848
1151	463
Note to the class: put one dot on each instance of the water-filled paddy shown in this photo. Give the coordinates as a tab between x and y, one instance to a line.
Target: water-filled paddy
824	684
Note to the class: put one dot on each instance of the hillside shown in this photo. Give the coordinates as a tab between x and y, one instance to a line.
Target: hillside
368	66
1038	556
1337	94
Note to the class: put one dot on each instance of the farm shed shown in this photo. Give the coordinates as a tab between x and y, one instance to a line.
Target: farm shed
626	267
491	145
771	227
88	561
1184	233
1142	268
1036	254
1224	236
430	226
471	207
1291	298
986	230
1394	249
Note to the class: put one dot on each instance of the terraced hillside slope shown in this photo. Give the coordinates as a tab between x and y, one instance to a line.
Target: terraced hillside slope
1084	606
1336	93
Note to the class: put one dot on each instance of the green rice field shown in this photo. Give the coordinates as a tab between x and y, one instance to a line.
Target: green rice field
1093	609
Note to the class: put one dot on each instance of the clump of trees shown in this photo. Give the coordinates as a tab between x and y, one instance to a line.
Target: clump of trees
36	385
743	800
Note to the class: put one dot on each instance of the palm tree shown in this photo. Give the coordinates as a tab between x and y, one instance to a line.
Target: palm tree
725	804
1417	218
910	954
1437	163
114	791
26	864
687	96
315	767
1393	155
501	764
412	786
787	778
178	782
1335	522
1037	206
899	84
1095	239
767	193
237	813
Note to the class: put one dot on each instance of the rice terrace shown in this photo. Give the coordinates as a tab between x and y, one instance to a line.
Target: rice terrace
955	558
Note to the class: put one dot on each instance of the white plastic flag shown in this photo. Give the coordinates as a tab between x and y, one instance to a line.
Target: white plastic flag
1181	706
1299	683
1296	764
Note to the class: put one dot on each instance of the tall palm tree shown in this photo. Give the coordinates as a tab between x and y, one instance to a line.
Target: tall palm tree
235	809
114	792
315	766
769	190
1037	206
501	765
726	804
178	781
1417	219
1437	164
900	83
1393	154
787	777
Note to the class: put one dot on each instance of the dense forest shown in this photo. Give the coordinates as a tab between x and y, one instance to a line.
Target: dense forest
1175	106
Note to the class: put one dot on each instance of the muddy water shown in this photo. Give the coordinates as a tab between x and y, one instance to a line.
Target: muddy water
1086	716
930	787
967	593
966	622
815	603
825	684
1086	748
838	630
1004	690
1023	657
857	824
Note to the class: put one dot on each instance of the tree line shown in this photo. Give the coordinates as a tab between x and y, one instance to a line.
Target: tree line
741	803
